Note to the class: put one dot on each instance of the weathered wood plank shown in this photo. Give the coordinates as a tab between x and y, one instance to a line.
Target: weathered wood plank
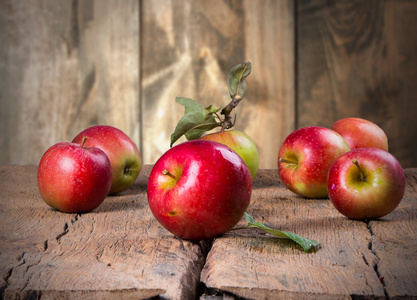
189	48
395	244
118	250
356	59
65	66
269	114
349	263
68	66
22	214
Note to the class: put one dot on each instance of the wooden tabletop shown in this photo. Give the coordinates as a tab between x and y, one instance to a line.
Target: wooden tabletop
120	251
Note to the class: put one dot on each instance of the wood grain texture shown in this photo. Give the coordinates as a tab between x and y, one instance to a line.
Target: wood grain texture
116	251
71	65
396	248
358	59
188	49
120	251
66	66
270	46
257	266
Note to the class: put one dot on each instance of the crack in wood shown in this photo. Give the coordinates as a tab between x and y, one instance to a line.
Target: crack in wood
28	278
60	235
375	265
209	293
64	232
365	260
182	243
6	282
75	218
123	250
45	245
20	257
9	274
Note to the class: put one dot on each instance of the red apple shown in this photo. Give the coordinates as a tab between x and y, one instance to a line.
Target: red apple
74	178
239	142
360	133
366	183
125	159
305	158
199	189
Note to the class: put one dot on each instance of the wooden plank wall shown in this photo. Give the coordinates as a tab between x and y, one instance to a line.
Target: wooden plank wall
65	65
359	58
69	64
188	49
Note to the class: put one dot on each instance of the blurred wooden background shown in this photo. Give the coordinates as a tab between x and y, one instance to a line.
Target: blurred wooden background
69	64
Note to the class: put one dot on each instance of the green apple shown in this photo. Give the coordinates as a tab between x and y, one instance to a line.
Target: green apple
198	120
241	143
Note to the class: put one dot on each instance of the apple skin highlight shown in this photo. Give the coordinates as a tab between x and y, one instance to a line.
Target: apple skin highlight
199	189
73	178
371	189
305	158
124	155
361	133
241	143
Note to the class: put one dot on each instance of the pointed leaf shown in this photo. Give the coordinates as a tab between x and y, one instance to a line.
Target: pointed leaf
187	122
195	121
305	243
189	104
197	131
236	79
212	110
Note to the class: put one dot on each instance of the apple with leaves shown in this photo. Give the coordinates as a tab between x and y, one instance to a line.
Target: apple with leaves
74	178
199	189
125	159
366	183
305	158
360	133
197	120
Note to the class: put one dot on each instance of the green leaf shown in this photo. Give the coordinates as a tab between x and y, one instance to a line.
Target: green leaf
236	79
187	122
305	243
195	121
189	104
212	110
197	131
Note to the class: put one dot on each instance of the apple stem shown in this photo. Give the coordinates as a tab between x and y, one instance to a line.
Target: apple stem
239	228
287	161
355	162
166	172
227	122
237	88
83	141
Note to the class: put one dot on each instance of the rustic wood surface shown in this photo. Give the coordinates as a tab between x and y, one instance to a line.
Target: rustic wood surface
117	251
396	249
368	259
120	251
